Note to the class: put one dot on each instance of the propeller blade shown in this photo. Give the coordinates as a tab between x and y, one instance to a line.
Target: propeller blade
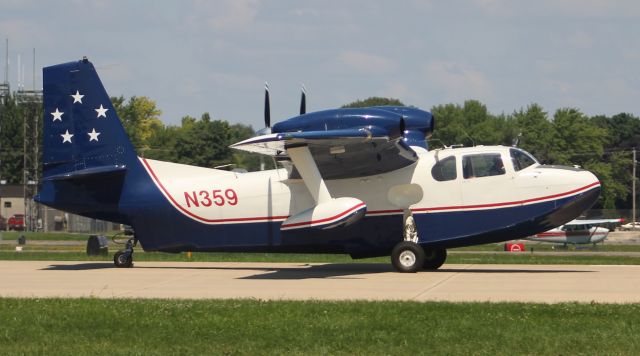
303	101
267	108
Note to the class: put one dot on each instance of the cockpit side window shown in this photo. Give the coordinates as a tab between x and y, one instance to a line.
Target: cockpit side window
482	165
520	159
445	169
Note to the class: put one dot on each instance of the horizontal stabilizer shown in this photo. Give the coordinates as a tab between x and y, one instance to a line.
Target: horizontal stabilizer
87	172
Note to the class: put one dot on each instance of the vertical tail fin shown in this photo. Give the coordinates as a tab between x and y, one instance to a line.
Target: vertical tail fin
87	155
82	132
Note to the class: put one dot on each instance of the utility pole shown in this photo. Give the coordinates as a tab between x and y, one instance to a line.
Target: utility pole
633	190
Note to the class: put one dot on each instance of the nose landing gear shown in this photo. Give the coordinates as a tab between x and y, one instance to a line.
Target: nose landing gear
124	258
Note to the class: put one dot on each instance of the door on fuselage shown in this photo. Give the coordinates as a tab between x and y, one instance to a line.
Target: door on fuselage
485	179
487	183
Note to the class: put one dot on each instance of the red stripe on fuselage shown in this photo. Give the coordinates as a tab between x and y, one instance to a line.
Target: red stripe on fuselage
251	219
325	219
372	212
517	202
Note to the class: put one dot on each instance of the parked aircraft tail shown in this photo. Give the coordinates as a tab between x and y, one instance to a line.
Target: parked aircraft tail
83	140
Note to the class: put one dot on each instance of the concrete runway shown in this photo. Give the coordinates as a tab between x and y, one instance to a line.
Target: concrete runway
290	281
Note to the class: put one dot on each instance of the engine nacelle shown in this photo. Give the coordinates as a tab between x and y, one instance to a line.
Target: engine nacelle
414	125
334	213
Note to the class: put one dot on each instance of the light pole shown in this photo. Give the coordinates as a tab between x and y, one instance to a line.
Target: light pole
3	216
633	191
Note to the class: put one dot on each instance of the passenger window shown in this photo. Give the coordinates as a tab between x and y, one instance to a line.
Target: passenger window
520	159
482	165
444	169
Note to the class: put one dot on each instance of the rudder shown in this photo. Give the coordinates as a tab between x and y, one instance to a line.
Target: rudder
82	132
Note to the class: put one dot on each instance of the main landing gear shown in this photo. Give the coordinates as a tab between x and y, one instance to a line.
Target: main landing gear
124	258
410	257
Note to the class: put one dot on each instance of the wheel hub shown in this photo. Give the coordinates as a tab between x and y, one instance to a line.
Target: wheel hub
407	258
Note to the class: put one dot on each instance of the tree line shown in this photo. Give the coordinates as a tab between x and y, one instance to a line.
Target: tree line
601	144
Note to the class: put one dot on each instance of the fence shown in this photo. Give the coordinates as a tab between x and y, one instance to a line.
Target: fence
50	220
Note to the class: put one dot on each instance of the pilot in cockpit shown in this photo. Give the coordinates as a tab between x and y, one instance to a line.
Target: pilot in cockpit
497	167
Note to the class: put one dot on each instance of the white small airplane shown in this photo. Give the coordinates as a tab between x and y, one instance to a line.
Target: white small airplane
355	181
576	232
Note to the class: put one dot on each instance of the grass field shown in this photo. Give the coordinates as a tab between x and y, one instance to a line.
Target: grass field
46	236
248	327
72	247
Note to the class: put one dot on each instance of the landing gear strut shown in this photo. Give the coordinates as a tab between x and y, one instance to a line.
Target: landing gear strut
124	258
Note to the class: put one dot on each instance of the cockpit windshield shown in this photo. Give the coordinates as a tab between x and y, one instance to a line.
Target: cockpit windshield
521	159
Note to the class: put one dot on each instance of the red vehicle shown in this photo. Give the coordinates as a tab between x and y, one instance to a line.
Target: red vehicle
16	222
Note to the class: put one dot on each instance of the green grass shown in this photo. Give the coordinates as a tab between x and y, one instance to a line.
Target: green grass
69	252
544	247
48	236
249	327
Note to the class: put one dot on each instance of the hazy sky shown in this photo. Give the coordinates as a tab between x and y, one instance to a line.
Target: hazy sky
197	56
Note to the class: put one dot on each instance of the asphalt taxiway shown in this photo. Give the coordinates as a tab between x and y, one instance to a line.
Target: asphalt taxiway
291	281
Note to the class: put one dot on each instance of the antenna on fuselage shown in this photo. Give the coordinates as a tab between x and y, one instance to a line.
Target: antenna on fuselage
516	140
471	138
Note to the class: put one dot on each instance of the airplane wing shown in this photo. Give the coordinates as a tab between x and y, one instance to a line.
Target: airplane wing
594	221
339	154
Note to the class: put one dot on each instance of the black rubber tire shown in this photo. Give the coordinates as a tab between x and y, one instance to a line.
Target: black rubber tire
407	257
123	260
434	258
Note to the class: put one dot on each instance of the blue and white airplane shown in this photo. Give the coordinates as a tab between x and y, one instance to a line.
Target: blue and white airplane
354	181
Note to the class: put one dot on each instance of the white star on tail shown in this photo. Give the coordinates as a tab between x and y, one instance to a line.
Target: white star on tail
101	111
66	137
77	97
93	135
57	115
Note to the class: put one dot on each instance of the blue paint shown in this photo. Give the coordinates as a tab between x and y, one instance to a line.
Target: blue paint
413	124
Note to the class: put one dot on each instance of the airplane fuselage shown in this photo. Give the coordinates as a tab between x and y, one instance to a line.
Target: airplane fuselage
225	210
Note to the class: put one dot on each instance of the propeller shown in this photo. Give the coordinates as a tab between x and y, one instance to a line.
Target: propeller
267	108
303	101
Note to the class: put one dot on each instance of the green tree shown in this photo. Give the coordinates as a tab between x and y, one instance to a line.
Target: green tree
11	150
623	133
449	124
471	124
535	132
577	139
204	143
140	118
241	159
374	101
162	144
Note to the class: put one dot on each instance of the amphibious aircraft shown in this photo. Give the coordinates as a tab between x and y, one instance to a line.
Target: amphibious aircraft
577	232
355	181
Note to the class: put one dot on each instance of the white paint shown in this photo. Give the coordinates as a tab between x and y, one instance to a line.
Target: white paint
272	196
